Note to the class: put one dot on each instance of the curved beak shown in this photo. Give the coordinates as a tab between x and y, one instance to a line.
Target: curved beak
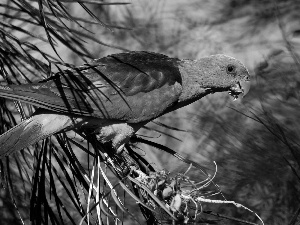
245	86
240	88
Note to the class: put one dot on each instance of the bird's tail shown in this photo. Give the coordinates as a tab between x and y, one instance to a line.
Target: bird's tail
31	131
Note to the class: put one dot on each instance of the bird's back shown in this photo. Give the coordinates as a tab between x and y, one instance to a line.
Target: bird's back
132	87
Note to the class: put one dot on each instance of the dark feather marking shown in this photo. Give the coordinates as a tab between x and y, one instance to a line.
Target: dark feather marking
113	85
131	80
119	60
153	66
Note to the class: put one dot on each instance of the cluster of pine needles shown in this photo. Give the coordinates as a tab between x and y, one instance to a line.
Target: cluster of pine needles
172	199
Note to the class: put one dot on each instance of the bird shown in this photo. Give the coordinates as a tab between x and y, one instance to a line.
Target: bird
114	96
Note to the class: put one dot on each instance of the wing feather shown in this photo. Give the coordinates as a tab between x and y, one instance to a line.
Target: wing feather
134	87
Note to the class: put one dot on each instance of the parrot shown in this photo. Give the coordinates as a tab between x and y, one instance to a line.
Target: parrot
114	96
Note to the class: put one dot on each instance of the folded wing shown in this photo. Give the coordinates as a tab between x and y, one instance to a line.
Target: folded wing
133	87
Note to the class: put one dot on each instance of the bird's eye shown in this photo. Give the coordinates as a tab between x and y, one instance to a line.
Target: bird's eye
231	69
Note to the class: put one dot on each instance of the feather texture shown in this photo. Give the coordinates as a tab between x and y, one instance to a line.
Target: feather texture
132	87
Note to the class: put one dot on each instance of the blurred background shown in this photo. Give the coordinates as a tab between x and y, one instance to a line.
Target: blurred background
254	141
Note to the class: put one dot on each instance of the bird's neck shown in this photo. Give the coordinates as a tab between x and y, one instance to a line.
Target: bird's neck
194	84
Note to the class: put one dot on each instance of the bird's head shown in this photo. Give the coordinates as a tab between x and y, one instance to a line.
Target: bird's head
218	73
232	74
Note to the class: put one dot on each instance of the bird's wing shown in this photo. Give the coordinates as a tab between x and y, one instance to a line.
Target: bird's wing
133	87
